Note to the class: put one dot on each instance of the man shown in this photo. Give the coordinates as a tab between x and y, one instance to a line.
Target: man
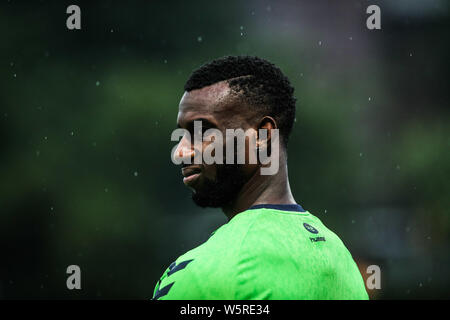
270	248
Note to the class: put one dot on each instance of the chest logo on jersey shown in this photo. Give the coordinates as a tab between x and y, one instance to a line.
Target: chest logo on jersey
317	239
310	228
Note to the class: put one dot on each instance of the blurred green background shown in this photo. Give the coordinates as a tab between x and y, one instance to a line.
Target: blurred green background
86	118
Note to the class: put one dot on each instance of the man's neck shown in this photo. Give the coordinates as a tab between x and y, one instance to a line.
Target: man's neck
262	189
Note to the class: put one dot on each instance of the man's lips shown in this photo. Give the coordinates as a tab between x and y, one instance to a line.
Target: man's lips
190	174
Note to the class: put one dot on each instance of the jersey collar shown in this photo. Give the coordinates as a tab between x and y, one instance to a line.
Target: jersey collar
281	207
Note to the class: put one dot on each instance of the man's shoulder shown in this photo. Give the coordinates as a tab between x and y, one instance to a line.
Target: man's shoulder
262	235
208	270
221	250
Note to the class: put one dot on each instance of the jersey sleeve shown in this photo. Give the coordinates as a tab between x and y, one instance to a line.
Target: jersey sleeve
207	272
190	280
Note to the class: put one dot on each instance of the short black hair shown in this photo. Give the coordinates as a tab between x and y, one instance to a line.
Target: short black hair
261	83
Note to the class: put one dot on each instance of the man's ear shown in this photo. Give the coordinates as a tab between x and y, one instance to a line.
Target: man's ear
267	124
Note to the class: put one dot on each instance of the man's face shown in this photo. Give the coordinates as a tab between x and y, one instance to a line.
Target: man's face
213	185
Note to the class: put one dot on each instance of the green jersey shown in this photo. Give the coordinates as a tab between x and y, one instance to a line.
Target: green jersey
277	252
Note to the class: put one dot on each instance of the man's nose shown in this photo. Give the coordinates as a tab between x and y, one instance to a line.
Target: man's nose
185	151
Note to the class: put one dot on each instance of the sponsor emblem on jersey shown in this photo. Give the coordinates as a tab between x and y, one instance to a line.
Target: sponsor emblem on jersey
310	228
317	239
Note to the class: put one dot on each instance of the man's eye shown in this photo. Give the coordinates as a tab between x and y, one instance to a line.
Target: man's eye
205	129
201	131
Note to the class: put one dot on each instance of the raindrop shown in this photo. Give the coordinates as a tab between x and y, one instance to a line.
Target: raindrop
71	133
410	54
15	75
320	43
135	173
97	83
370	98
165	61
269	8
350	38
353	221
360	154
199	39
106	189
